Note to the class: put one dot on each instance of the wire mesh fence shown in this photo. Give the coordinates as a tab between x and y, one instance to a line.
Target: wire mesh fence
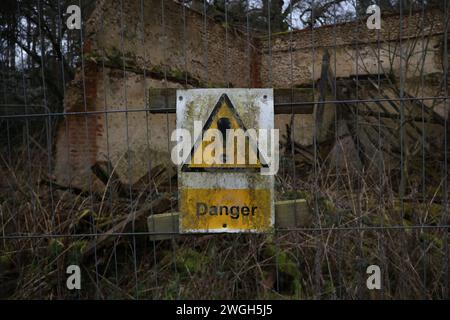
86	118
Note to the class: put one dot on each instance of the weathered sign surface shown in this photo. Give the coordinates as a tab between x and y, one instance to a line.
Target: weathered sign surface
222	187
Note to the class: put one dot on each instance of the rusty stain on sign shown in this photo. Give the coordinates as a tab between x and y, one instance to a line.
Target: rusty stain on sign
230	196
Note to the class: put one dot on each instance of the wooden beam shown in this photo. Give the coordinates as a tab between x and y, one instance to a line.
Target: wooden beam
285	100
292	214
164	225
288	214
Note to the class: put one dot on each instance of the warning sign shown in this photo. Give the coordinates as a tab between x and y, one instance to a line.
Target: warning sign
222	183
233	137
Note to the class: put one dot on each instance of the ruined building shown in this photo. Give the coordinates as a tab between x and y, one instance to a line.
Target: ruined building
134	53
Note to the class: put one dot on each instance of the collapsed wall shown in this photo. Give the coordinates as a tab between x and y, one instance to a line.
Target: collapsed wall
409	51
401	46
133	47
129	50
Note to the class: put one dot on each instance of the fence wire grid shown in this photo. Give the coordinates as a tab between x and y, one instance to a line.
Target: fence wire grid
86	117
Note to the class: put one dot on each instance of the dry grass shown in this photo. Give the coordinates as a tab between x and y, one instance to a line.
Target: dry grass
322	262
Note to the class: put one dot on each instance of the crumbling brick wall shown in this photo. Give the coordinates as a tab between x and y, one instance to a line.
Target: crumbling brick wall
170	42
134	46
129	50
356	50
411	46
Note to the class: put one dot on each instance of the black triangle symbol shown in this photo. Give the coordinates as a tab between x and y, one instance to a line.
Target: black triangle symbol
186	168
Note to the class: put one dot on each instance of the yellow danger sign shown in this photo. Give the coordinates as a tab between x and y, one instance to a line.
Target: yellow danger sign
221	183
232	209
225	142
